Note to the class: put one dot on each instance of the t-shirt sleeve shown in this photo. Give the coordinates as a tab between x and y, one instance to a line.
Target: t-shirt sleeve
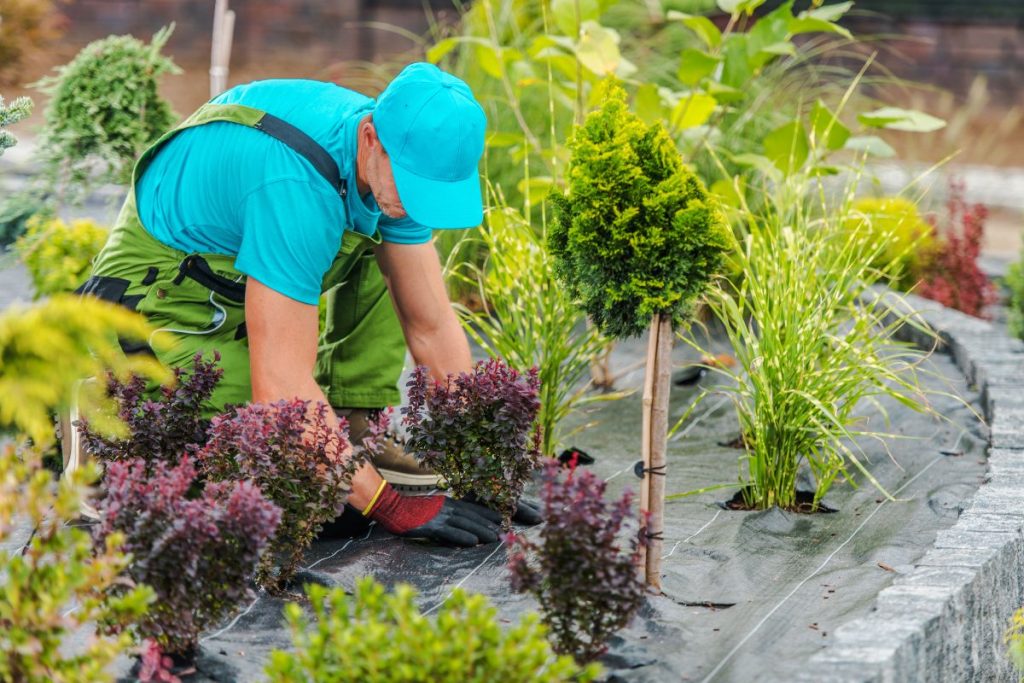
403	231
291	232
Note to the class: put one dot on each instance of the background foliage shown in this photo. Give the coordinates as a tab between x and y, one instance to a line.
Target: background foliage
59	255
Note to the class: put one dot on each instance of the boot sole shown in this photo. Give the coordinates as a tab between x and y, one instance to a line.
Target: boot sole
404	481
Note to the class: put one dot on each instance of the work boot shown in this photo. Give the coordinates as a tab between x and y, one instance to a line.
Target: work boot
399	467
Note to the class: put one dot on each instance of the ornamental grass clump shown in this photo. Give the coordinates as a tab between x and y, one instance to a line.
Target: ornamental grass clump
105	109
299	462
581	570
813	345
378	637
58	583
478	430
196	549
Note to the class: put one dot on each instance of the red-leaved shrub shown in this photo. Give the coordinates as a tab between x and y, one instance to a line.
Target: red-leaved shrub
297	460
163	428
196	550
581	572
479	430
952	276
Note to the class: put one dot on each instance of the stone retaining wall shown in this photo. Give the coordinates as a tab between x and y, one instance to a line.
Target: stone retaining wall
944	621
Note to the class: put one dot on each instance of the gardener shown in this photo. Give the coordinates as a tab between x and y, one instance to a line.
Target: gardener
278	192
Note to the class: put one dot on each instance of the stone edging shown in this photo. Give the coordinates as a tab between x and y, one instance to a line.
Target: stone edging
944	621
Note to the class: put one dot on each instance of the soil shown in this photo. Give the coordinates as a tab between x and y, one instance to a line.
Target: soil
804	503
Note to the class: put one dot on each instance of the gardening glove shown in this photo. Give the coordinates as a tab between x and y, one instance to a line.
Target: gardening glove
527	512
437	518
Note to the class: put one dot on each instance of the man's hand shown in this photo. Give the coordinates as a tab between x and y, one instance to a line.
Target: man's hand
437	518
527	512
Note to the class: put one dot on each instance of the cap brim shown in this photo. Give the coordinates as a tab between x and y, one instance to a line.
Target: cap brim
440	204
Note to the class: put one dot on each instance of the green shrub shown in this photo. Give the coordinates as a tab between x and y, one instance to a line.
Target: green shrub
529	319
9	115
57	585
59	255
637	234
379	637
105	109
907	238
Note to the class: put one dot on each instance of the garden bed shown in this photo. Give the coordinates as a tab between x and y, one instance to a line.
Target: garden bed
742	588
749	595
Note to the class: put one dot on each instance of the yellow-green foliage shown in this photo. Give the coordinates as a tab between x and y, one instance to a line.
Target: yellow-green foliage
380	637
636	234
908	239
57	585
1015	312
59	255
45	349
1014	639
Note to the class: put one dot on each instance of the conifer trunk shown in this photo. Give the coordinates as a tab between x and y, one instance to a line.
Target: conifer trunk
657	383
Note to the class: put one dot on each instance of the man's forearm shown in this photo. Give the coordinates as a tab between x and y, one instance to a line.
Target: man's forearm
444	349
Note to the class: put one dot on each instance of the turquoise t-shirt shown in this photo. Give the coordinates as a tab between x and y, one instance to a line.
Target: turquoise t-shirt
231	189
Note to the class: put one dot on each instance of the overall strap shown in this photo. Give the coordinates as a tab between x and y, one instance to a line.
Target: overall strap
306	147
296	140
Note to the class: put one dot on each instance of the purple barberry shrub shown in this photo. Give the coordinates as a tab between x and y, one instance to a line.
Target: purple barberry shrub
479	430
582	570
196	552
297	460
160	428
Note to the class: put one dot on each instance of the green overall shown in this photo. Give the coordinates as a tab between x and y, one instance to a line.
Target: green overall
200	298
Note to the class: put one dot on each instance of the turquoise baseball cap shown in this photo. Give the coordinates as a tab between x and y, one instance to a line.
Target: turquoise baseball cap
432	128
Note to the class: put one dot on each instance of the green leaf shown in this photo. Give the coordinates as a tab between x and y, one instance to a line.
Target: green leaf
828	12
736	70
499	139
536	189
727	191
564	13
702	26
827	128
871	144
895	118
598	49
814	25
489	59
787	146
648	105
693	110
739	6
437	52
723	93
695	65
758	161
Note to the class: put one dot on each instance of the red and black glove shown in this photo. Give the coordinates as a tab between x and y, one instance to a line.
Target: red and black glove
437	518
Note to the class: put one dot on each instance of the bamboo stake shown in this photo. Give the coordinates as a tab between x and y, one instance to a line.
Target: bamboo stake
220	50
655	480
645	445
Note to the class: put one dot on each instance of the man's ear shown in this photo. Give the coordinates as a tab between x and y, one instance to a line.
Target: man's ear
368	133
